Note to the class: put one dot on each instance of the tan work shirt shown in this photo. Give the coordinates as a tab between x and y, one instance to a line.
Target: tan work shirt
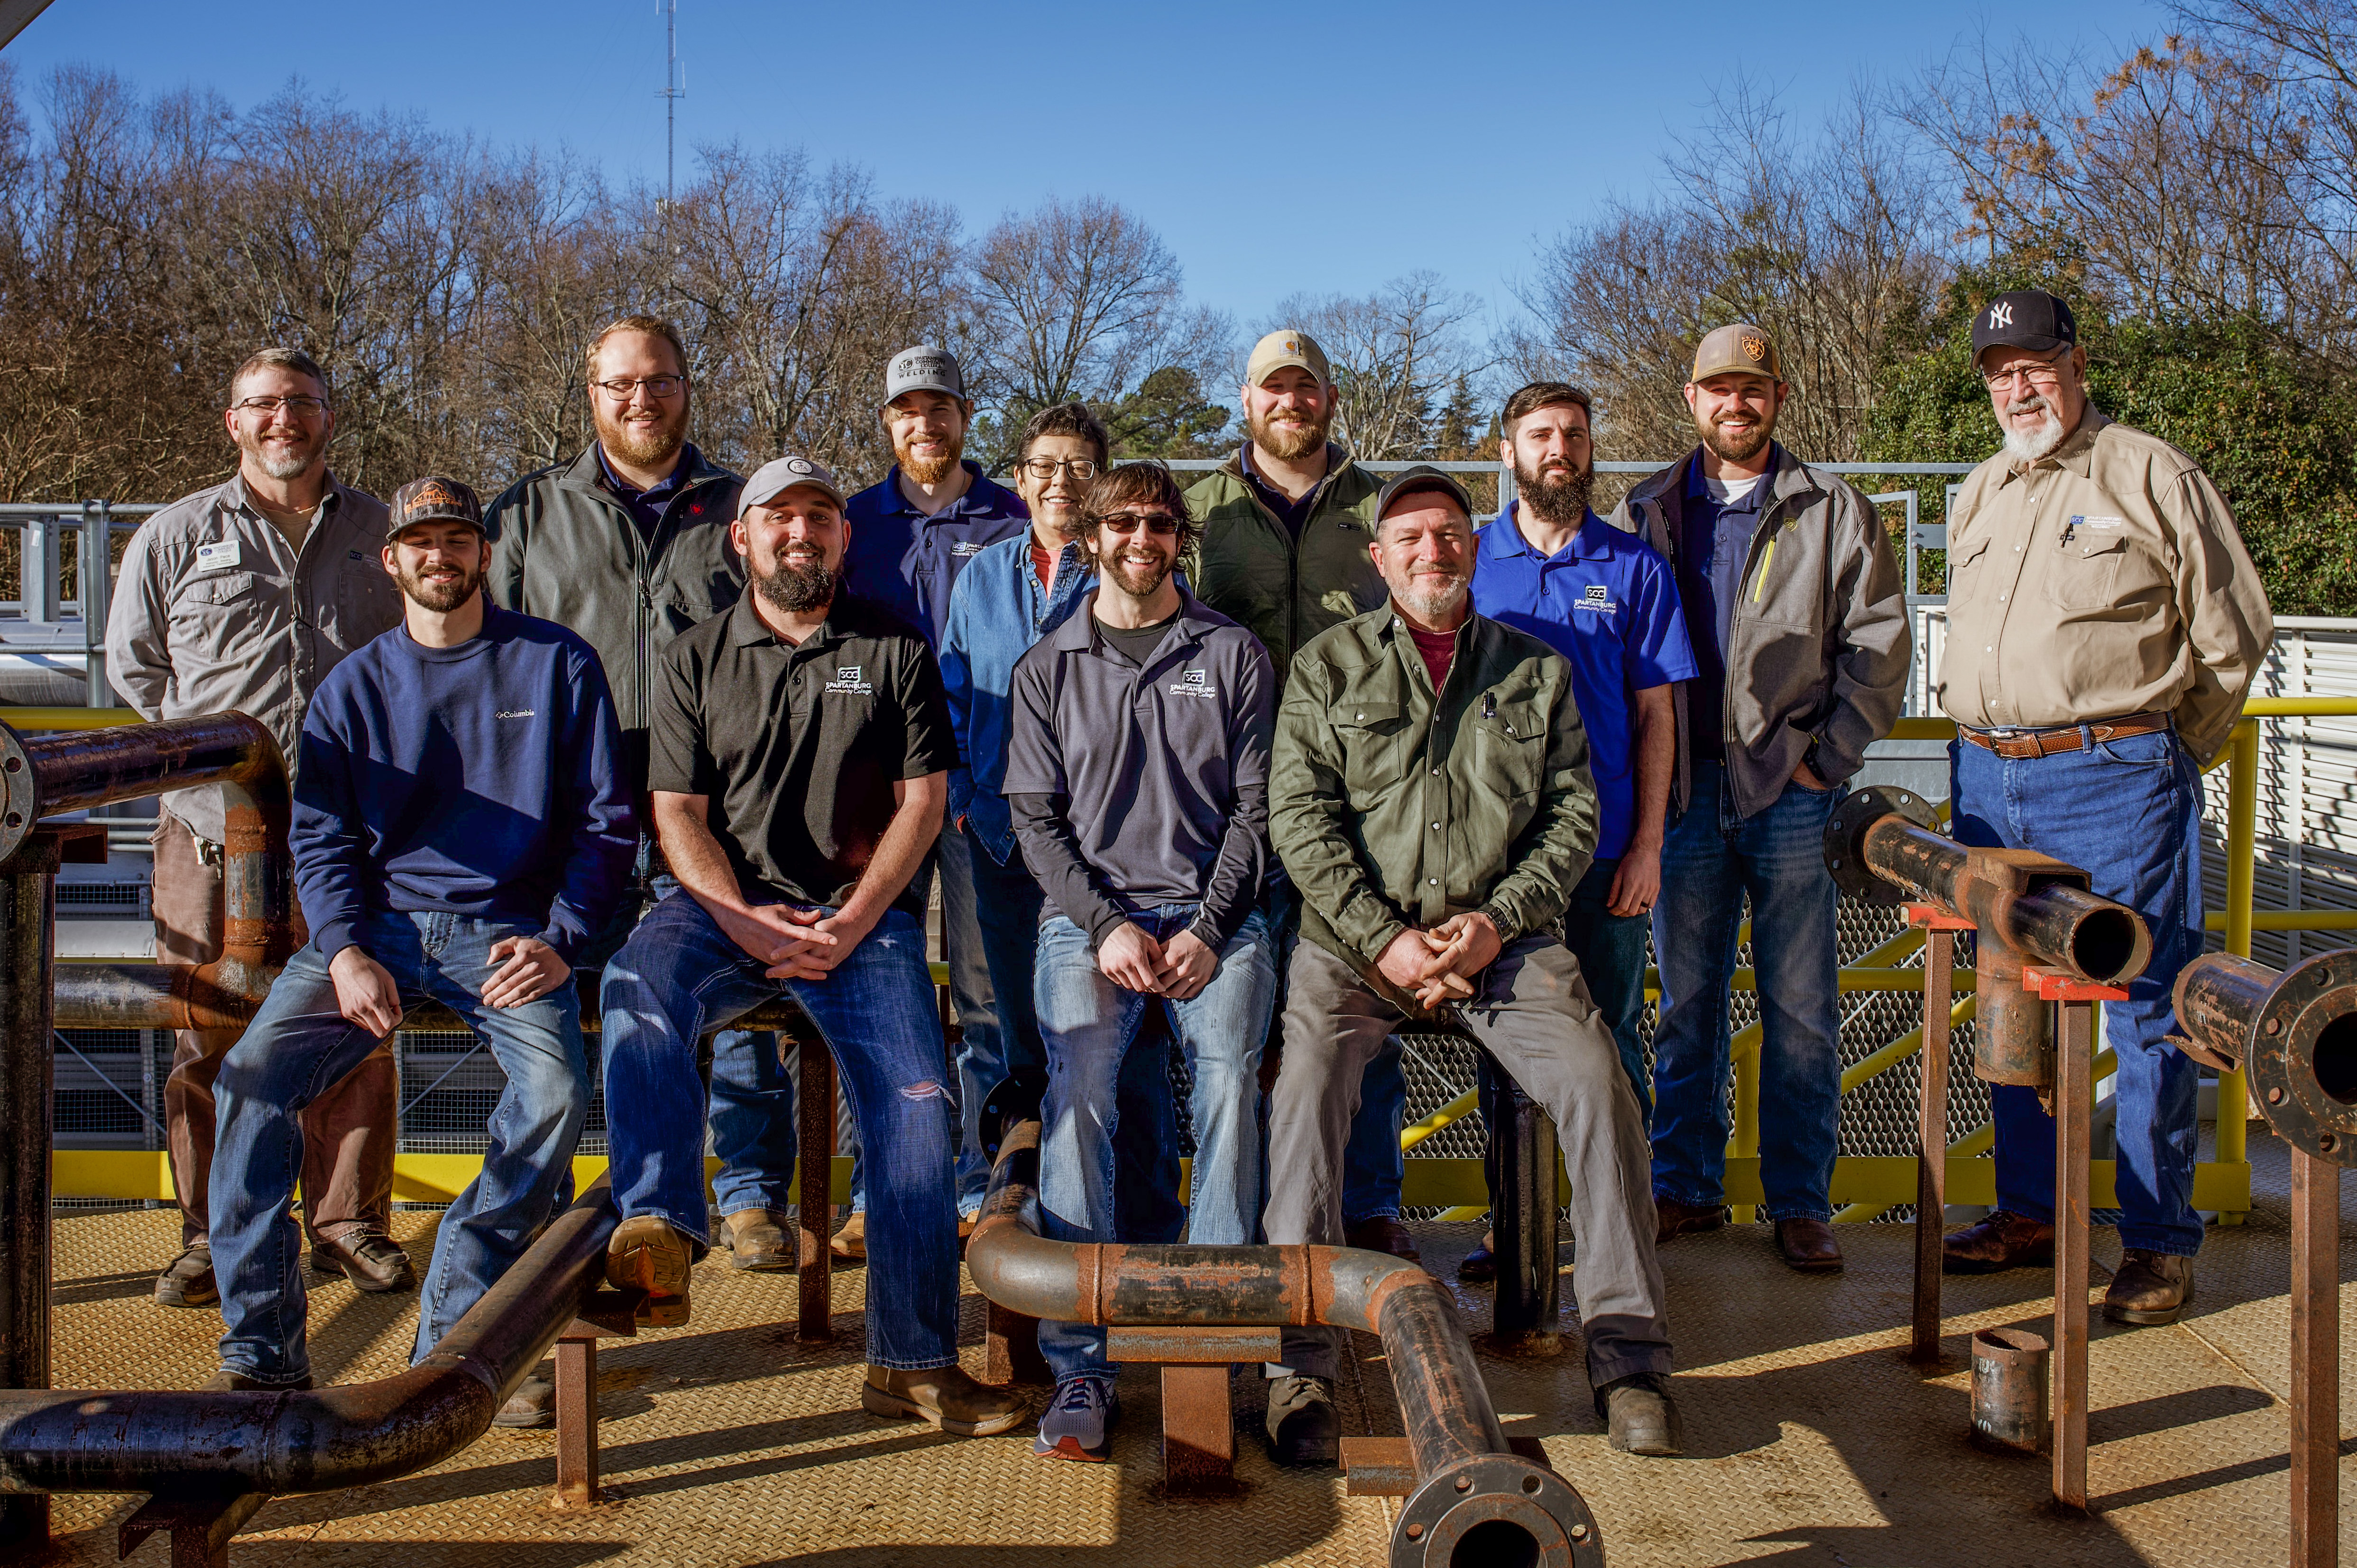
2107	578
214	611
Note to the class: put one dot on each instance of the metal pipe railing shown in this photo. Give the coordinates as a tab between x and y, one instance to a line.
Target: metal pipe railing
1467	1478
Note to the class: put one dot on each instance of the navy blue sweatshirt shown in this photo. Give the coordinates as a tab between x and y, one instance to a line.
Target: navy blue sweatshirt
483	780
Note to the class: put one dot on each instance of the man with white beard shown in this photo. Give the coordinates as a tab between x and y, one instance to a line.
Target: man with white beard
2084	722
243	597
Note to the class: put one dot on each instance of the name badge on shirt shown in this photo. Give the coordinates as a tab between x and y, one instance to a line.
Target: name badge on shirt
966	547
219	556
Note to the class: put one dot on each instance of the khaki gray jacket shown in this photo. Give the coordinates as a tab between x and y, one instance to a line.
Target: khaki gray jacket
1393	805
1819	652
214	612
1285	591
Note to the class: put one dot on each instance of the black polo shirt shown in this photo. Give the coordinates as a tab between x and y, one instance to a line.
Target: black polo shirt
797	747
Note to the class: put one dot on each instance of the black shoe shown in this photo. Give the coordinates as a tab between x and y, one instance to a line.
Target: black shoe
369	1258
533	1404
1640	1417
1303	1429
228	1382
1479	1266
1383	1233
189	1280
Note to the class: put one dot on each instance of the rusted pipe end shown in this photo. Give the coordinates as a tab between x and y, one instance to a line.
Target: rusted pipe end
1845	831
2299	1041
1496	1509
18	808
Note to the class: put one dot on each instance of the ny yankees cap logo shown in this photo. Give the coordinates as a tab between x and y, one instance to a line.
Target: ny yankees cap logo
2000	315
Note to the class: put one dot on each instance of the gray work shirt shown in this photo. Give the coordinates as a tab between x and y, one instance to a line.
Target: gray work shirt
214	612
1136	785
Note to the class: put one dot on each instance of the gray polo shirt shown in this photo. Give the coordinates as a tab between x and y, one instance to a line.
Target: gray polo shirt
1136	785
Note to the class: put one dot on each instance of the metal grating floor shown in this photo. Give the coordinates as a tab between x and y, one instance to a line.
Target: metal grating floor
1810	1442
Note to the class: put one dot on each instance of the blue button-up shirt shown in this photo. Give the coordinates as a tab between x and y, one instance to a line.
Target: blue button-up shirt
908	561
1608	602
1713	543
996	612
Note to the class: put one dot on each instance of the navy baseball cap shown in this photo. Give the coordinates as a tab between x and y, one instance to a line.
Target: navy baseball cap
2028	319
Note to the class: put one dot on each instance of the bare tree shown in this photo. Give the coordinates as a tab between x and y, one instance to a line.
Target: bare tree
1395	354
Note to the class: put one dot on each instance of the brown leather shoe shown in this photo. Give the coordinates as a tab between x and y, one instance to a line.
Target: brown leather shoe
1479	1266
851	1242
945	1397
369	1258
189	1280
758	1241
648	1256
1383	1233
2004	1240
2151	1288
1673	1219
1808	1245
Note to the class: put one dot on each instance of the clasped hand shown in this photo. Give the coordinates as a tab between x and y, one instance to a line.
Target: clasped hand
1177	968
794	943
1438	965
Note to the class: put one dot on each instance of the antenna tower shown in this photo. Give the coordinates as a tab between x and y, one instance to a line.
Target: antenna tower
675	88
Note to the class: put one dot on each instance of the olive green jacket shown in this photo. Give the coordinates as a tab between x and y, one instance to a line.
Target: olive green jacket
1393	806
1250	568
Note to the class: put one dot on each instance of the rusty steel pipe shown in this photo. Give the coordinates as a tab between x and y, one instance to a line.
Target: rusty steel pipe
2294	1031
1473	1494
225	1444
2024	909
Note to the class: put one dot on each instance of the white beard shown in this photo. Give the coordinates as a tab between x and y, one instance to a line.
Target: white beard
2026	449
1436	603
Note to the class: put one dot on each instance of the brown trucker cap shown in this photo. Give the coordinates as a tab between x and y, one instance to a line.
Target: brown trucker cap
1737	349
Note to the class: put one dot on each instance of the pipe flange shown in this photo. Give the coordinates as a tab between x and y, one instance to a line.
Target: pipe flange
1845	836
2303	1057
19	795
1496	1508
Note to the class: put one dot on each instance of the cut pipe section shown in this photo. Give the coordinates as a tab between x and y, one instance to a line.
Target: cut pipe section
2293	1030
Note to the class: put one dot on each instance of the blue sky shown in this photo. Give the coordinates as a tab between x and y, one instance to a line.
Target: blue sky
1328	149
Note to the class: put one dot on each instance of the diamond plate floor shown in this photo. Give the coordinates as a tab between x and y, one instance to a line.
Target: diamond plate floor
1810	1441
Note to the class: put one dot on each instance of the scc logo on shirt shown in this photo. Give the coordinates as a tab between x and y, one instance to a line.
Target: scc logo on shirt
1194	683
847	684
1597	598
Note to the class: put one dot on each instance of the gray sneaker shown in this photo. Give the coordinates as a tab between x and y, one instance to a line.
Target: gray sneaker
1302	1426
1078	1422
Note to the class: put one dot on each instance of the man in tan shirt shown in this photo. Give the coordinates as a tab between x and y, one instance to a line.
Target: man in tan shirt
2103	623
242	598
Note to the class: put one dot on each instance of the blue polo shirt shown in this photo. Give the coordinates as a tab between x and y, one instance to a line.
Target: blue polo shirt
1608	602
908	561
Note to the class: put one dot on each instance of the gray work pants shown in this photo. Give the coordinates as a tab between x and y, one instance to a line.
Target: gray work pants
1533	1016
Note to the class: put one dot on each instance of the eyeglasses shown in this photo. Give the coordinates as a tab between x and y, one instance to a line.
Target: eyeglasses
1045	468
620	388
2045	372
1160	522
299	405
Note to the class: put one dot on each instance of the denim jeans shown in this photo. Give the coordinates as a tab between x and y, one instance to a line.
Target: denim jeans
1088	1022
2128	813
1711	860
1611	953
299	1046
990	924
679	975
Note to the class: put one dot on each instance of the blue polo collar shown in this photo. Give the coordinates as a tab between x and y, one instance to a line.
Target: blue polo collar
983	494
1506	540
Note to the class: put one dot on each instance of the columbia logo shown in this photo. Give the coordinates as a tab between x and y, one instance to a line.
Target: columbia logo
517	713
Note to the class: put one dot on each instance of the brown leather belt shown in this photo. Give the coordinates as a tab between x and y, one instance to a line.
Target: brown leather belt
2022	744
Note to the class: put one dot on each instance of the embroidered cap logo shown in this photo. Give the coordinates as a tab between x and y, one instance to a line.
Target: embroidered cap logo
2000	316
1755	348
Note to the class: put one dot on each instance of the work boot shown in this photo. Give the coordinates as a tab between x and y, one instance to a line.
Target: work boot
648	1255
1808	1245
228	1382
2151	1288
851	1242
1079	1420
945	1397
369	1258
1640	1416
1673	1219
760	1241
533	1404
1479	1266
2004	1240
189	1280
1383	1233
1303	1427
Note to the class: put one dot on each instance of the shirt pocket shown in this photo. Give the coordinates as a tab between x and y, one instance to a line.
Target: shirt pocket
1368	734
2104	572
216	599
1967	565
1509	750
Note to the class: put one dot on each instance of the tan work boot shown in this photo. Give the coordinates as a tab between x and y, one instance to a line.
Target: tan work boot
945	1397
646	1254
851	1242
2150	1289
2003	1240
759	1240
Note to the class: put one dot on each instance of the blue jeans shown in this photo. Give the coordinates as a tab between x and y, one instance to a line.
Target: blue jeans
2128	814
1710	861
299	1045
1611	953
990	925
1088	1022
678	976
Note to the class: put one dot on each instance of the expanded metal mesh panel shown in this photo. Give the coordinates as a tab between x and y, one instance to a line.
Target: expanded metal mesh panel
450	1086
106	1090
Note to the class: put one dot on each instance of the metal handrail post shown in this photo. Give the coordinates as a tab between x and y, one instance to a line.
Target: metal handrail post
2242	833
94	581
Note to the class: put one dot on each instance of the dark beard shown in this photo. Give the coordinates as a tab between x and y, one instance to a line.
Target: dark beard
797	590
1560	501
439	597
1728	453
